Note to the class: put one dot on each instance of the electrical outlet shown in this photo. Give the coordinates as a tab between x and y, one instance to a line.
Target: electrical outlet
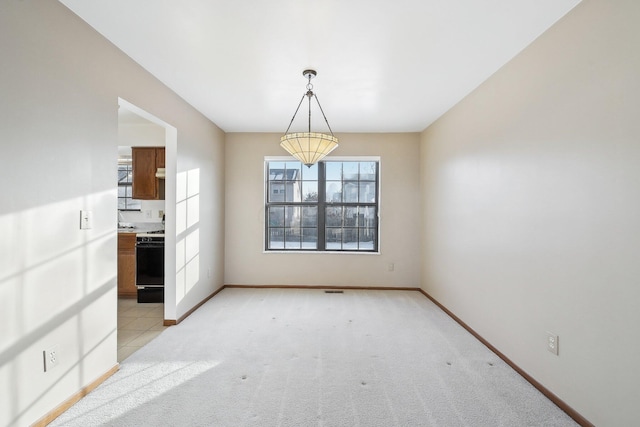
391	266
552	343
51	358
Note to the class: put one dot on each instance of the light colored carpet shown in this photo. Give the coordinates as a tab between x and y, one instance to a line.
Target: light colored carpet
292	357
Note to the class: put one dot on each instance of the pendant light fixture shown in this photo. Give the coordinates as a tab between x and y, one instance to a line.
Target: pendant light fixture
309	147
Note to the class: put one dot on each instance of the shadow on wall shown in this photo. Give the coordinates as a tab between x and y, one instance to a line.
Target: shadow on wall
187	232
57	289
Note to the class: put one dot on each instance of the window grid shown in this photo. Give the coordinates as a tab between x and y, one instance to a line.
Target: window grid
125	188
332	206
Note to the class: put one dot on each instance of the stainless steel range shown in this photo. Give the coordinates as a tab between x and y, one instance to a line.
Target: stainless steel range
150	266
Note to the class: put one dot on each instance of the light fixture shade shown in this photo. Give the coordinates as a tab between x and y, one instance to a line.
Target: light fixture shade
309	147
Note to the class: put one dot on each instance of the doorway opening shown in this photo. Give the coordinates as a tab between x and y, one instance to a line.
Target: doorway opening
147	151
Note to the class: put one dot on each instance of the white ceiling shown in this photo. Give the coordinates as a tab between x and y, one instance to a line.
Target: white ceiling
383	66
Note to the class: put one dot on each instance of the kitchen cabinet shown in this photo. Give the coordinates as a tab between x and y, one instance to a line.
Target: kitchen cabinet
145	163
127	265
160	157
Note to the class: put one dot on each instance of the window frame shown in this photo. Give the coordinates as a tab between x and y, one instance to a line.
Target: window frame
322	204
127	184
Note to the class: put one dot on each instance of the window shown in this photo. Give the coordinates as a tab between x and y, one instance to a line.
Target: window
125	181
331	206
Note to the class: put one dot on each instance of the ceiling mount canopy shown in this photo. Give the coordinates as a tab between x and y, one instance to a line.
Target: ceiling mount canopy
309	147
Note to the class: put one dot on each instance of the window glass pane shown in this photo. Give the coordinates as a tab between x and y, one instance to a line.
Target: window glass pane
310	174
368	218
350	238
294	177
276	171
333	191
294	169
333	171
309	238
363	220
350	194
125	178
276	216
284	182
367	238
276	191
334	216
367	192
293	191
292	238
276	238
367	171
333	238
292	216
122	174
350	216
125	174
350	171
310	191
310	216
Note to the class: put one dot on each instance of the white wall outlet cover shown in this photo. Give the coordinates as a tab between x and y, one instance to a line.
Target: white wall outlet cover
552	343
86	220
51	358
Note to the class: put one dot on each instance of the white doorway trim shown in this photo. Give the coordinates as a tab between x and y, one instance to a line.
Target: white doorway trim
171	155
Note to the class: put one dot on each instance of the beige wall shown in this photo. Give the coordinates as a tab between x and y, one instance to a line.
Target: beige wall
246	262
140	135
60	82
531	209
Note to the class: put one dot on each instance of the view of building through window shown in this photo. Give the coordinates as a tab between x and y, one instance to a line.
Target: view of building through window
125	189
331	206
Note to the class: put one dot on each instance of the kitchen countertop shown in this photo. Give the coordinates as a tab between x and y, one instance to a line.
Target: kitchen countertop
141	227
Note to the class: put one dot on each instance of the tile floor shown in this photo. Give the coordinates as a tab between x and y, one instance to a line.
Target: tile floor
138	324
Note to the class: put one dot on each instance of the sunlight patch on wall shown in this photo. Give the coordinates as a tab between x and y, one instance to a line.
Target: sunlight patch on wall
180	270
192	256
188	233
56	264
57	288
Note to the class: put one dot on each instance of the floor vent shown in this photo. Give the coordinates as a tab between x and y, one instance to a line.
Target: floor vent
333	292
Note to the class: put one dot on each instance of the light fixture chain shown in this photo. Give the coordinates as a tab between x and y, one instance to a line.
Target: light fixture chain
322	111
294	114
309	112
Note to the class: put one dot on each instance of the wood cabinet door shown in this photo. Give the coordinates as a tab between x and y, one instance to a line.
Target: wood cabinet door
127	265
144	173
160	157
161	164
